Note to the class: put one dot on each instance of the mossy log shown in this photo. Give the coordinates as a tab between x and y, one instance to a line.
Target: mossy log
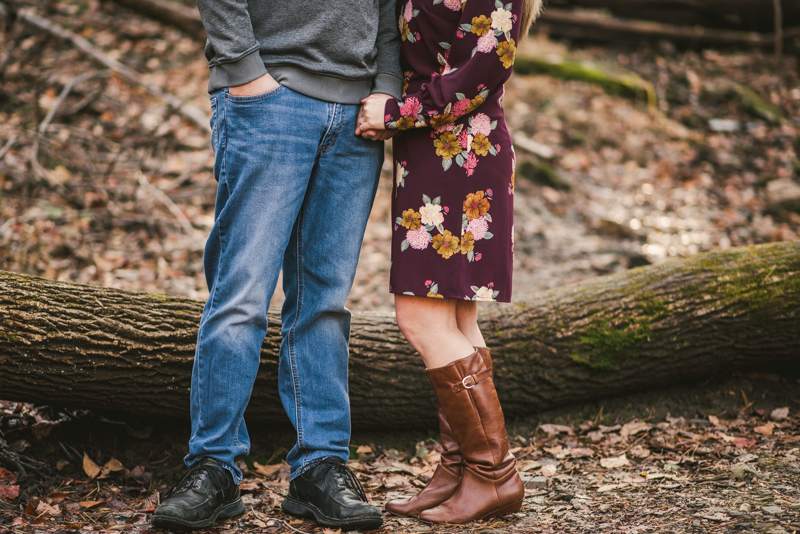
624	84
106	349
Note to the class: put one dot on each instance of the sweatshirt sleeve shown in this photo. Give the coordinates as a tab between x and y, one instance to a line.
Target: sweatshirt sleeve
473	66
389	79
236	58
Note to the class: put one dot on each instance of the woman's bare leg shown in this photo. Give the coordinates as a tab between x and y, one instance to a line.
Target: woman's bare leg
431	326
467	320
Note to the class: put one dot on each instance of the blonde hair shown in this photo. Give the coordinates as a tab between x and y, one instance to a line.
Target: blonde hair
530	12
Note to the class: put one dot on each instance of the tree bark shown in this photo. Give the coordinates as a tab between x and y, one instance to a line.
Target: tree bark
106	349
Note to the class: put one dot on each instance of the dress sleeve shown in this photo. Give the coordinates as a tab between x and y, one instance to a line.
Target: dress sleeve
475	64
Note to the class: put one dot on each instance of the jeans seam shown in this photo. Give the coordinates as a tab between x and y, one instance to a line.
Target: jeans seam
331	131
292	359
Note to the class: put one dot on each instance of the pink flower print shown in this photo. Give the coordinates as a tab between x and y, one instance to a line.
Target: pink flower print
478	227
486	43
497	148
481	124
453	5
491	284
408	12
409	107
387	118
489	193
446	210
470	163
418	239
481	87
463	139
449	127
446	69
478	256
428	283
460	107
459	34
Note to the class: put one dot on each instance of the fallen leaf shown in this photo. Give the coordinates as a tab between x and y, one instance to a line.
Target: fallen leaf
714	420
266	471
364	449
19	522
640	452
5	474
10	492
89	467
744	442
633	428
111	466
91	504
779	414
528	465
45	508
610	463
433	457
765	430
548	470
555	451
394	481
717	516
581	453
57	497
552	430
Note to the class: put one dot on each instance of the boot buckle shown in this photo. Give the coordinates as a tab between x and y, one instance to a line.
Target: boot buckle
471	385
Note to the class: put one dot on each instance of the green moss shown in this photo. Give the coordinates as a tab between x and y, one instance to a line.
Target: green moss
162	298
10	337
757	106
604	345
625	84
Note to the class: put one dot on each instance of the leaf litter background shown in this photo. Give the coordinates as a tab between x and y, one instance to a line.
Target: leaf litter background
126	200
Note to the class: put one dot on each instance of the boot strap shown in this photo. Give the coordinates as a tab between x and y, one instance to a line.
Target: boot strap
470	381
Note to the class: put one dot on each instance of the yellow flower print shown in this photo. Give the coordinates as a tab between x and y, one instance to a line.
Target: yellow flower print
435	295
447	145
405	123
474	103
507	52
405	31
438	121
467	242
411	219
475	205
407	75
481	25
481	145
446	244
513	174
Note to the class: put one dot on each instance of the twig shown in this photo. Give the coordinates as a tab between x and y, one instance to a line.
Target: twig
170	205
9	145
190	112
778	28
295	529
37	168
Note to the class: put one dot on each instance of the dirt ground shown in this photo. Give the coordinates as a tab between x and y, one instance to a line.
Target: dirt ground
721	456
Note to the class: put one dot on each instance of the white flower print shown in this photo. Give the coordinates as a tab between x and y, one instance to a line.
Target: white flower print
431	214
484	293
501	20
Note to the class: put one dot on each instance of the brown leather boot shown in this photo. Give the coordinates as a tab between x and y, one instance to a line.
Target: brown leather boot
490	485
445	480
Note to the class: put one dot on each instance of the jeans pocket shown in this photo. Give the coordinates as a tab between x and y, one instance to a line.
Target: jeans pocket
254	98
213	123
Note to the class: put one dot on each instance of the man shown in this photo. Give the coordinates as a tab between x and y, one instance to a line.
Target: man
296	186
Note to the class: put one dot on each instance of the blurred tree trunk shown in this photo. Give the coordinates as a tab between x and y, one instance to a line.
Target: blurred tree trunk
106	349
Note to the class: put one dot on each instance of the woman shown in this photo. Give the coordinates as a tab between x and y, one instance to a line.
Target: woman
453	238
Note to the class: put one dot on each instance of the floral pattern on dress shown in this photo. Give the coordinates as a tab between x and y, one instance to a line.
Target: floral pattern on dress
452	120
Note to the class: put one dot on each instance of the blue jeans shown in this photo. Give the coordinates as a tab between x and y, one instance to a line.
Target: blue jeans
296	187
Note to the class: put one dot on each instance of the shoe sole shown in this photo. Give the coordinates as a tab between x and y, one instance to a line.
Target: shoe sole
297	508
232	509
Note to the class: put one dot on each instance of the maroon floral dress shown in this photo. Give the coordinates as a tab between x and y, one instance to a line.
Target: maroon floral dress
452	206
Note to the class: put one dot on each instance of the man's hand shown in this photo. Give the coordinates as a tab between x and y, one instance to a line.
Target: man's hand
370	119
259	86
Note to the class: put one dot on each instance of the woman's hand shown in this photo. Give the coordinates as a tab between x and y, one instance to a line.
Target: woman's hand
259	86
370	123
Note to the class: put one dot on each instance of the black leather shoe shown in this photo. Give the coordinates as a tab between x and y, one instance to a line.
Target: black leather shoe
331	494
204	494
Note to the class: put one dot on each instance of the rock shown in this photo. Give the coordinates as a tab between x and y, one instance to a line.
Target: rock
779	414
724	125
743	471
783	194
773	509
537	482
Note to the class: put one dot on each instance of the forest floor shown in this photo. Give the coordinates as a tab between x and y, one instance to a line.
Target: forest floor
722	456
120	193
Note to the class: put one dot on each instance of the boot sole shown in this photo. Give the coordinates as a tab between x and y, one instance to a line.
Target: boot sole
508	509
232	509
297	508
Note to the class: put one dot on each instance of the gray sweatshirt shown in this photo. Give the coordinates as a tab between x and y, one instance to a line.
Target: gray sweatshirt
332	50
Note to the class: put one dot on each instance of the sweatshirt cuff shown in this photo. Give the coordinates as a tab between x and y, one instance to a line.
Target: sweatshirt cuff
387	84
239	72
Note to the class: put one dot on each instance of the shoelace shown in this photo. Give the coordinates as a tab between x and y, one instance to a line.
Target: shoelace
350	480
191	480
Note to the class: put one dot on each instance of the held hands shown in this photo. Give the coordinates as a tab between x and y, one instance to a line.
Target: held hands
259	86
370	119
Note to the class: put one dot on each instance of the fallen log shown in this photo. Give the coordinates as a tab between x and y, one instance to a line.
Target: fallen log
649	327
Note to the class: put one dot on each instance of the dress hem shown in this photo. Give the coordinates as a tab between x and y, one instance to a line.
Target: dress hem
444	297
